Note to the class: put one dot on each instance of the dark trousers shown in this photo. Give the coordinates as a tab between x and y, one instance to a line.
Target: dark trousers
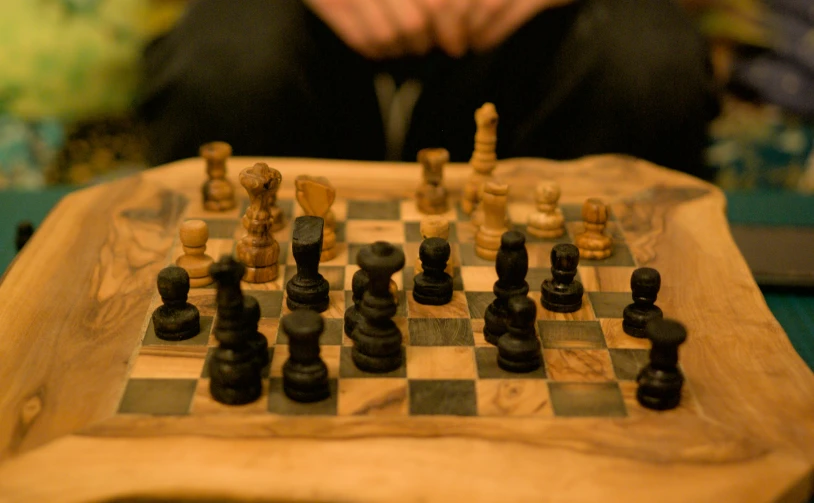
596	76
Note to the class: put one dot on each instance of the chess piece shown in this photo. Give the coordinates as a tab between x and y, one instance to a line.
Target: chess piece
218	192
644	283
359	284
433	286
487	238
547	222
25	230
512	264
257	341
316	195
484	156
258	250
305	375
433	227
519	348
195	261
431	196
593	243
177	319
562	293
661	380
477	219
234	370
307	289
377	339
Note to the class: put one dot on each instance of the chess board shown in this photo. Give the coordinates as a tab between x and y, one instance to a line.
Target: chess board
95	408
589	363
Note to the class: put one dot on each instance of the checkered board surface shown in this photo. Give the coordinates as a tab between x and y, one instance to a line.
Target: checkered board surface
589	363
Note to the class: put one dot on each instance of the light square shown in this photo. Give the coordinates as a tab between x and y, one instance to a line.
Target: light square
615	336
158	362
519	211
578	365
440	362
606	279
410	213
513	397
373	397
540	254
368	231
478	278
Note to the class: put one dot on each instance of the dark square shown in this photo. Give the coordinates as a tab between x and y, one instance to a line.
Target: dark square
572	212
401	309
587	399
621	257
287	205
412	232
332	336
335	275
165	397
571	334
535	278
534	239
478	302
222	228
443	397
460	215
340	232
150	339
468	256
353	250
279	403
486	358
348	369
271	301
609	304
264	373
440	332
374	210
628	362
457	279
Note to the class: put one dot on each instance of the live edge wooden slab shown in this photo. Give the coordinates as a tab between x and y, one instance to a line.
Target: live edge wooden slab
73	304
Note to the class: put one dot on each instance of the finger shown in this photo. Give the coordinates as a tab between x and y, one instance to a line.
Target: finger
482	14
449	24
505	23
379	30
412	23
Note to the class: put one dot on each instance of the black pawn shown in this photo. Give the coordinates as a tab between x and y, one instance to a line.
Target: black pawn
661	380
511	264
562	293
359	284
305	375
25	230
644	283
377	339
307	289
433	286
177	319
519	347
257	341
235	377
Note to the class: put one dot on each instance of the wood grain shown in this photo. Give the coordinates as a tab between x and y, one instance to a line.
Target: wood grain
76	300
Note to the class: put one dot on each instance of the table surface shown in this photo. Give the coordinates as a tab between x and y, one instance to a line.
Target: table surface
76	296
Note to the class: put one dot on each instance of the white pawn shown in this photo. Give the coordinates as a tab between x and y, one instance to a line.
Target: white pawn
547	222
194	235
487	238
433	227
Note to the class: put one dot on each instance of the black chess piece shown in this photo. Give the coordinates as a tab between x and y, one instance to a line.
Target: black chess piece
307	289
25	230
235	376
359	284
177	319
305	375
512	264
644	283
661	380
377	339
433	286
257	341
519	347
562	293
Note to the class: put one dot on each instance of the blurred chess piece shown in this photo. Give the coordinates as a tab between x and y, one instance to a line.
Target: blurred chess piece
431	196
433	227
593	243
194	235
487	238
218	192
484	156
547	222
316	195
258	250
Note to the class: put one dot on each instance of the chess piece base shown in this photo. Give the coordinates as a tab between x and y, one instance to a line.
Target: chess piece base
594	246
377	364
636	319
519	355
314	295
306	383
232	396
260	274
562	299
545	233
519	367
180	325
200	282
659	390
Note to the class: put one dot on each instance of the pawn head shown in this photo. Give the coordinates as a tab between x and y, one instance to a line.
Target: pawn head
594	211
303	323
227	271
173	284
522	311
645	283
547	192
434	251
194	233
666	332
564	257
512	240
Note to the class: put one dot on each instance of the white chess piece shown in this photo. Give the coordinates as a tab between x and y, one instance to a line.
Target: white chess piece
547	222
